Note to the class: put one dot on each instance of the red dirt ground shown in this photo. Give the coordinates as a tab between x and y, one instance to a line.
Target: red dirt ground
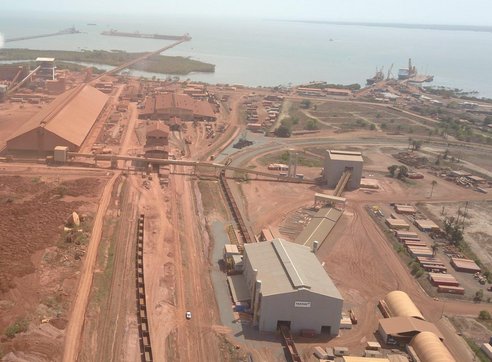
37	277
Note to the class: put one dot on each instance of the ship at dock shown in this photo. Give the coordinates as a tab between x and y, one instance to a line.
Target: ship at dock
378	77
137	34
410	74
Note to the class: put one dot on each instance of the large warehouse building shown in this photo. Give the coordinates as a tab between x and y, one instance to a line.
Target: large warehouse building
337	162
400	305
427	347
289	287
64	122
169	105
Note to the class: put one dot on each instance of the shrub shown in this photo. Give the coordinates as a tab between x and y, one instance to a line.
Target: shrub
312	125
19	326
484	315
283	131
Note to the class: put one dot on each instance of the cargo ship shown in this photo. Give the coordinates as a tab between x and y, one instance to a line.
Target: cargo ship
137	34
379	76
411	75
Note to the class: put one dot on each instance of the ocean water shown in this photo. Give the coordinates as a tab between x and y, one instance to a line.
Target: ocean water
269	52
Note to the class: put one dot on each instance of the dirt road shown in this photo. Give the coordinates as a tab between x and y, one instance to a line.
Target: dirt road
76	322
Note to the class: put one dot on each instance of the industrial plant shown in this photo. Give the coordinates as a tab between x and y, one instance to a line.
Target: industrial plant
161	219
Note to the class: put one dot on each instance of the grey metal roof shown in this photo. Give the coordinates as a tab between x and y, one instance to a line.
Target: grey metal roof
285	267
345	155
319	227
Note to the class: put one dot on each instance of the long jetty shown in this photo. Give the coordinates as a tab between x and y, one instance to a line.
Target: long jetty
139	59
146	36
28	37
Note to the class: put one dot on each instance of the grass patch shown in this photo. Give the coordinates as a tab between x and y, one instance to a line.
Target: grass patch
211	199
486	322
476	349
283	157
105	262
19	326
298	120
156	64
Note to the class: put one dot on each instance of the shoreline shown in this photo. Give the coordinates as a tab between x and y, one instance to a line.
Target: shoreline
174	65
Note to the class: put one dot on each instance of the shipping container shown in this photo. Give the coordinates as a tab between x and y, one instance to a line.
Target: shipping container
320	353
450	289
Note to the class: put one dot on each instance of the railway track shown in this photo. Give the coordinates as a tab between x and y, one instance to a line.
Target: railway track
143	322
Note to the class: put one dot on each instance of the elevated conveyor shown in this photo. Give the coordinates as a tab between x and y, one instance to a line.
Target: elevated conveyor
191	163
343	182
289	344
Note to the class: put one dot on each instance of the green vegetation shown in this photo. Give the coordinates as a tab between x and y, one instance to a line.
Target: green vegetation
453	229
401	172
157	64
19	326
283	157
416	269
446	92
399	248
312	125
478	296
353	87
460	124
456	93
476	349
484	315
305	103
283	131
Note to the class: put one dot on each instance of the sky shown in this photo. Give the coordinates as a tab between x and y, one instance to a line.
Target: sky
460	12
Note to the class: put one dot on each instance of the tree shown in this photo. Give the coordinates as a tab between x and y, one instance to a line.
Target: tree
372	127
433	183
446	154
478	296
283	131
484	315
434	249
305	103
416	145
312	125
453	230
392	169
402	172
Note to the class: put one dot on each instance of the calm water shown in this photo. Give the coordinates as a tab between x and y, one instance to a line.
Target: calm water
263	52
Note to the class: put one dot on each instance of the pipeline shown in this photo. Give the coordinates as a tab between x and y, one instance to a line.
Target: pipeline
143	322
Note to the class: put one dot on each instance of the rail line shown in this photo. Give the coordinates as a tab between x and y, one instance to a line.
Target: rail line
143	322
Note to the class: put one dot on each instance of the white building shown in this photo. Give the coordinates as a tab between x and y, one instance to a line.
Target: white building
337	162
288	286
